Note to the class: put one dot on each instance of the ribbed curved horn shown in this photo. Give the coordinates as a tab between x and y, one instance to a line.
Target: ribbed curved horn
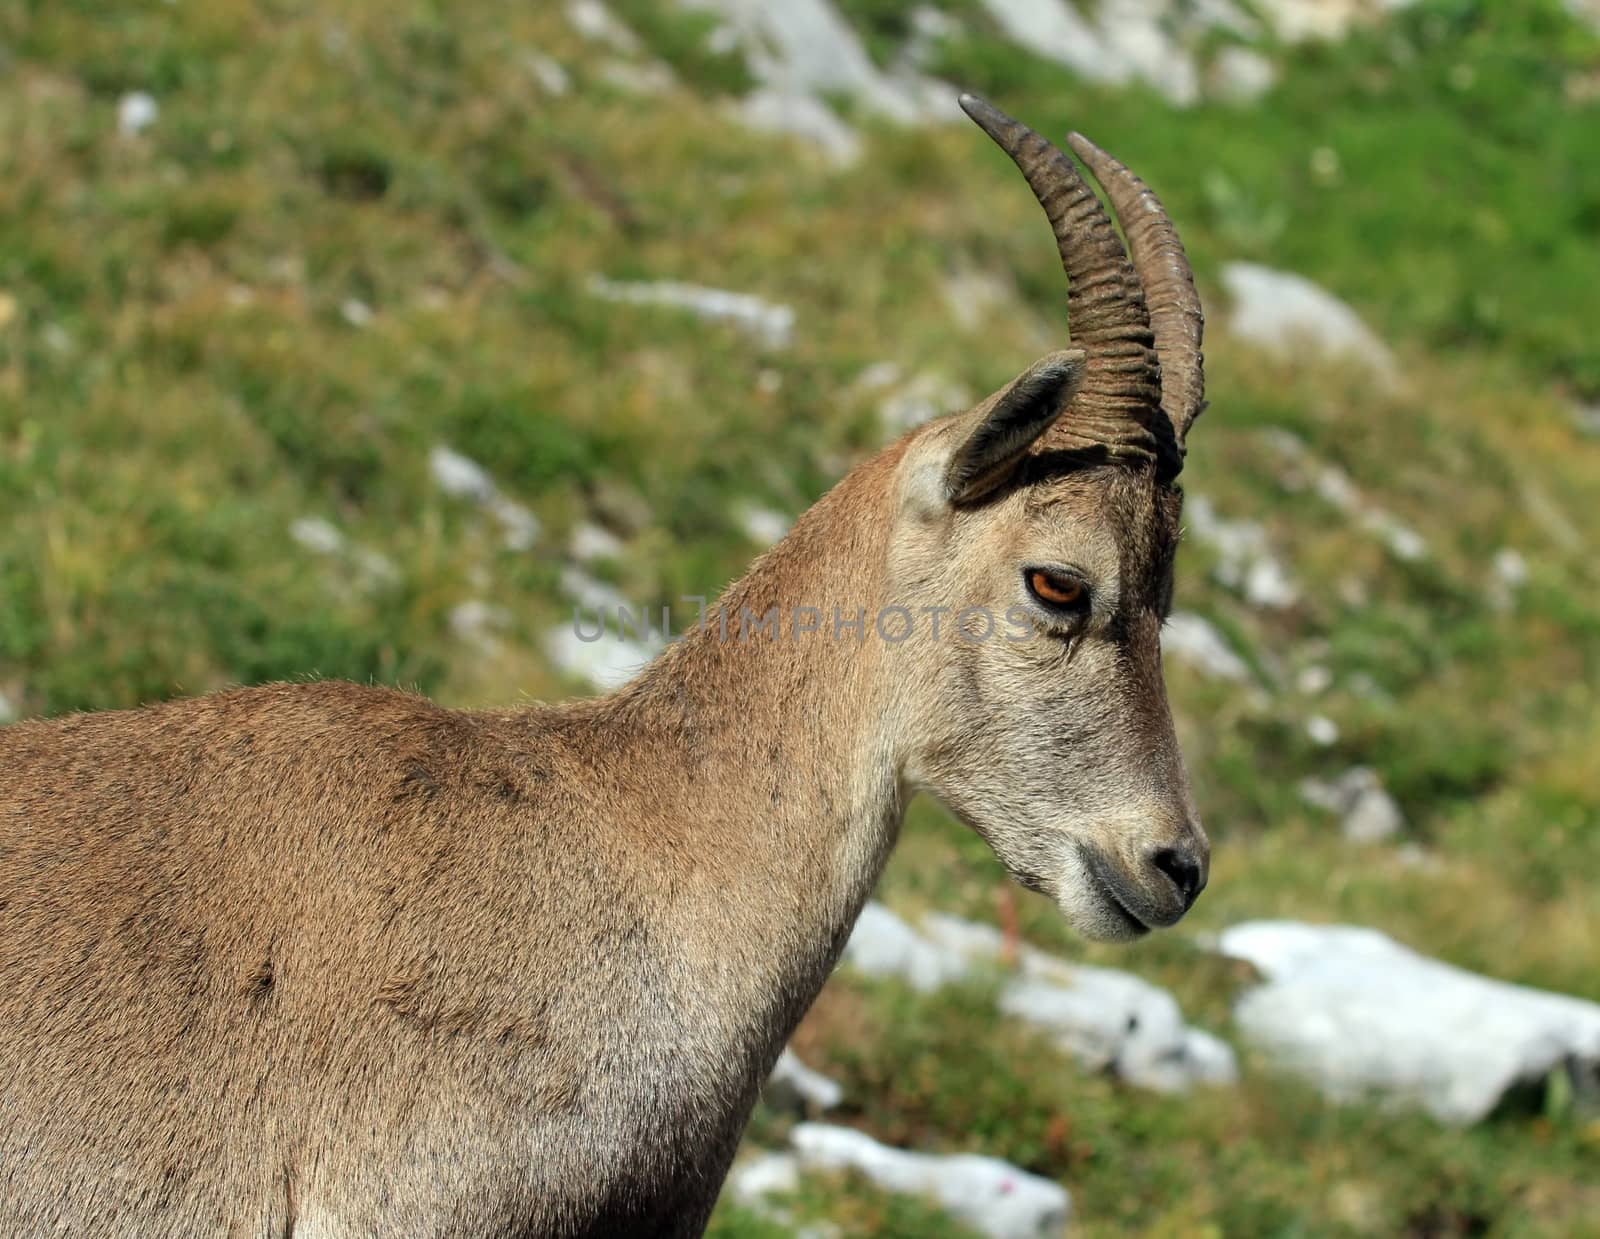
1118	407
1168	281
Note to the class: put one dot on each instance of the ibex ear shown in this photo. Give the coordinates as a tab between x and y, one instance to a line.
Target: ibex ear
1008	423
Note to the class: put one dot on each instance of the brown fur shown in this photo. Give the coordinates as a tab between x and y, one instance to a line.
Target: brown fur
323	960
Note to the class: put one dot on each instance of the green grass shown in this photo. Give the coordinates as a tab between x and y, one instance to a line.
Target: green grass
179	383
1266	1158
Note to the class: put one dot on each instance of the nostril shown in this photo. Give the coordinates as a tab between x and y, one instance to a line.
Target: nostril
1183	869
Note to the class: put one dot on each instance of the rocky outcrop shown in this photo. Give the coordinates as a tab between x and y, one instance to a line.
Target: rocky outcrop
794	1086
1194	640
770	324
1367	813
1361	1016
992	1196
1107	1020
1285	314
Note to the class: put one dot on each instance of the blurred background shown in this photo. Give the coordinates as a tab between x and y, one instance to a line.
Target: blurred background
364	339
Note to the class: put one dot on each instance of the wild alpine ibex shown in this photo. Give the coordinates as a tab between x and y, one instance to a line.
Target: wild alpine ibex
324	961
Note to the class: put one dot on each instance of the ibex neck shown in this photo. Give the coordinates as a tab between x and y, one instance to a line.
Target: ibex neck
778	778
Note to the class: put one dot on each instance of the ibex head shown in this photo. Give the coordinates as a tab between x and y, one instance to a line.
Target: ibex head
1052	505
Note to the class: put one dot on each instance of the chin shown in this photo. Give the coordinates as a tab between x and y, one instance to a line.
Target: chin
1090	908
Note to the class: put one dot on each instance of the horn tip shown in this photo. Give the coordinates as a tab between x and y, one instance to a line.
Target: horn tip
974	105
981	110
1082	147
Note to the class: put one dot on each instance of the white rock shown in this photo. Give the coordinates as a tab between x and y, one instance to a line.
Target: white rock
621	507
1510	575
316	535
1510	568
805	47
722	39
1415	856
1358	1014
1374	817
1267	584
356	312
590	541
593	595
460	477
932	22
136	111
376	567
1322	730
1587	11
763	526
1406	543
8	708
463	478
1285	314
1053	29
1369	814
475	615
1239	75
1296	21
794	1086
973	295
1113	1022
1314	680
606	663
595	22
1328	794
1107	1020
1135	33
770	110
553	79
475	620
321	537
1334	486
765	1174
651	77
772	324
1245	560
1225	15
1208	1059
1194	640
995	1197
878	375
1124	43
519	528
56	338
1586	417
882	945
924	397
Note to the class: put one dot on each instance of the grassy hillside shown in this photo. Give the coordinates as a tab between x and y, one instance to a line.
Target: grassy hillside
358	231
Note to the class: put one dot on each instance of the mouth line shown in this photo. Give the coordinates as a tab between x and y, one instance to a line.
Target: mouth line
1094	866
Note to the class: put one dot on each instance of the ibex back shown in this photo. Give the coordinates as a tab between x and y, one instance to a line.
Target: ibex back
329	961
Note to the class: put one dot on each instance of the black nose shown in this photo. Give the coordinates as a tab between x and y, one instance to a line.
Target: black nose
1186	868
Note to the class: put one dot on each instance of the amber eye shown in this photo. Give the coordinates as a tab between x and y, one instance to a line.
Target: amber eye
1056	590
